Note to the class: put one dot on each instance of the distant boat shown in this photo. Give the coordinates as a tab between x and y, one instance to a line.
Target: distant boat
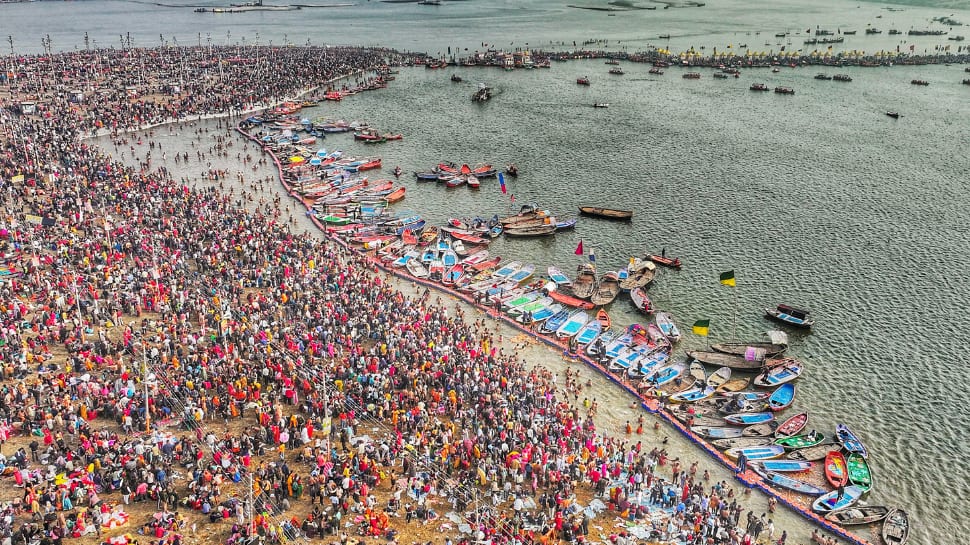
582	81
894	115
601	104
483	94
607	213
790	315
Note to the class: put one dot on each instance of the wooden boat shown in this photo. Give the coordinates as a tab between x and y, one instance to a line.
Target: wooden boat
767	348
607	213
790	315
523	274
778	372
812	454
641	300
639	274
748	419
570	301
555	321
507	270
698	371
792	425
830	502
793	442
760	430
850	442
721	359
702	420
604	319
755	453
895	527
606	290
715	432
672	262
858	515
782	397
859	472
784	481
740	442
836	472
670	330
784	466
736	384
585	282
719	377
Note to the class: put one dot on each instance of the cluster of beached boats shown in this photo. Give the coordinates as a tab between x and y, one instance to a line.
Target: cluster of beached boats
453	175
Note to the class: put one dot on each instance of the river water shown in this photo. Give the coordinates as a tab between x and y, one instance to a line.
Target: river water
817	199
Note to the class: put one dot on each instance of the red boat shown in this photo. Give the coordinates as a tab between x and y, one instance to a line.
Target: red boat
836	470
395	195
471	239
370	165
604	319
673	263
366	136
484	265
570	301
409	238
582	81
465	170
792	426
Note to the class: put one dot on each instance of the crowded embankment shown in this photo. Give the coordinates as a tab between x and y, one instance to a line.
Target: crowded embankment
176	355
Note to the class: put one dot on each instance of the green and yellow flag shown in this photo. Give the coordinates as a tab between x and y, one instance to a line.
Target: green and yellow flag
701	327
727	278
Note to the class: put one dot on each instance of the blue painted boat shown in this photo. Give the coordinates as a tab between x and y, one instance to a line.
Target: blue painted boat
429	255
693	395
849	441
790	315
556	321
558	276
614	348
666	374
572	326
779	373
403	260
449	258
653	360
523	273
830	501
755	453
784	481
601	342
717	433
782	397
589	333
542	314
629	358
748	419
507	270
785	466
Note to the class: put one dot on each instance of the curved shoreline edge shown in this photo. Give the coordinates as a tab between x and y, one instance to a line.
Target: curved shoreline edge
748	478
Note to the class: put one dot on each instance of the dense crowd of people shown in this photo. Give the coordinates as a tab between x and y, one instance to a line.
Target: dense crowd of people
162	343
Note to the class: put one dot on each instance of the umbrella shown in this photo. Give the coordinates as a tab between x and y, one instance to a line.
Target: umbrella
297	159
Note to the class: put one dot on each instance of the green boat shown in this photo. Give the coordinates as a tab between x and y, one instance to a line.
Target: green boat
859	473
336	220
801	441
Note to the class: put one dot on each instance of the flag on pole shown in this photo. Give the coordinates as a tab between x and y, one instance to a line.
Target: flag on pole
592	255
579	248
727	278
701	327
501	183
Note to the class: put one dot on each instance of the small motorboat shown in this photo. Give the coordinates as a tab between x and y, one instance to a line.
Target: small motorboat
894	115
601	104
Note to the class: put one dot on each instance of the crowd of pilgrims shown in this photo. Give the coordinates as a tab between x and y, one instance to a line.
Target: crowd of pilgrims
165	344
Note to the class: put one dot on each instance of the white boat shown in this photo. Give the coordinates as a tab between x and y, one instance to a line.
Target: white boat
476	257
778	373
572	326
666	374
558	276
589	333
523	274
692	395
417	268
666	324
507	270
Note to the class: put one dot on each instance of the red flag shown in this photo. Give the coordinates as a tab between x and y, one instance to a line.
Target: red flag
513	199
579	248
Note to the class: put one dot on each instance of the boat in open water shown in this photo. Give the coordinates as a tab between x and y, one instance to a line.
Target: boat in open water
606	213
